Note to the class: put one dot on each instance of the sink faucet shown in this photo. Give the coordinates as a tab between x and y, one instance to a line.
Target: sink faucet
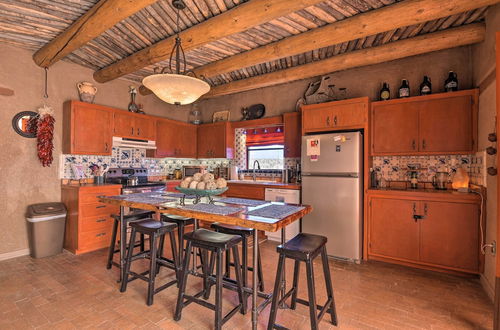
258	167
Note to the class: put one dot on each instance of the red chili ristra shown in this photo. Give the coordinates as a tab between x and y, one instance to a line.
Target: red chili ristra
45	136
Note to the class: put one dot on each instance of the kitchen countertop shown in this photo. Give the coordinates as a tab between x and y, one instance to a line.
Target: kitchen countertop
89	185
266	184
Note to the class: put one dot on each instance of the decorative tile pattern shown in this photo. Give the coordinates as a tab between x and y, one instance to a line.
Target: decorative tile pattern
395	168
240	148
136	158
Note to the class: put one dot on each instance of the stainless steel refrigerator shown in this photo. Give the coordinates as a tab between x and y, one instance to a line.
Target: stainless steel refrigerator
332	182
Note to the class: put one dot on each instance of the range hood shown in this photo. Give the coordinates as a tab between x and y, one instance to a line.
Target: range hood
133	143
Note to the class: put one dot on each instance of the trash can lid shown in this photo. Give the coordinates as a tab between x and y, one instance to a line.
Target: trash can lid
45	209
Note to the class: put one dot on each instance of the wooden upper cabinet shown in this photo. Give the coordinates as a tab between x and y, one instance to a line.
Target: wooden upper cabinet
215	140
393	232
331	116
443	123
446	125
394	128
292	131
174	139
87	129
134	126
449	235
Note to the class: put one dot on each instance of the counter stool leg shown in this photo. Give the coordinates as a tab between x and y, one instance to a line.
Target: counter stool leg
142	246
112	245
259	270
276	291
182	287
296	270
238	270
329	287
205	268
244	266
152	268
227	274
160	251
218	291
175	255
180	237
312	295
126	267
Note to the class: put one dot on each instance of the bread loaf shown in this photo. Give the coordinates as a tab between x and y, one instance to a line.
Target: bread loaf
184	184
197	177
211	185
193	184
221	183
200	185
188	179
208	177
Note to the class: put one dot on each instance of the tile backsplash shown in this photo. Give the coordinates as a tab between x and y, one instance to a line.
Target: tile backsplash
395	168
128	157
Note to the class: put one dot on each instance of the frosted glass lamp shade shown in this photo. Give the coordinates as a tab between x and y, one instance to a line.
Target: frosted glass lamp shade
176	88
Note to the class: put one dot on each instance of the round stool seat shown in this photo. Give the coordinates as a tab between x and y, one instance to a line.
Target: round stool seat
212	238
152	225
232	229
177	219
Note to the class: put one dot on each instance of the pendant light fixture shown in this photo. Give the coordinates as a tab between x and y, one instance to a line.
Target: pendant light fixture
176	87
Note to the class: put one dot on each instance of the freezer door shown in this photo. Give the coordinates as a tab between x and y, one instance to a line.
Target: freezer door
335	156
337	213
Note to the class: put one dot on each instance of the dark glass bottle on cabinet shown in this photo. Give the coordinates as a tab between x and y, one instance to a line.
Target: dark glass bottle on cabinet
404	90
426	86
451	84
385	92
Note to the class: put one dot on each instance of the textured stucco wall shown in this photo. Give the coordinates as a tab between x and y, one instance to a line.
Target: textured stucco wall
364	81
23	180
483	59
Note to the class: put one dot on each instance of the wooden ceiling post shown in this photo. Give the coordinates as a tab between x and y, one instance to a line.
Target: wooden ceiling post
388	18
426	43
238	19
104	15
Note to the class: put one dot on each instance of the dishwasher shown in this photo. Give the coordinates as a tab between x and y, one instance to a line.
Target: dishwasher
291	196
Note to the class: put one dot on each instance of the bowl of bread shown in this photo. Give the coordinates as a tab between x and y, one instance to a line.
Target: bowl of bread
202	185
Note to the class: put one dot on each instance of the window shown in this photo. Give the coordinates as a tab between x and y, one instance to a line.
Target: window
270	157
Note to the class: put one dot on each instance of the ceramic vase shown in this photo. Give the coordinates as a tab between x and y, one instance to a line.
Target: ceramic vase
86	91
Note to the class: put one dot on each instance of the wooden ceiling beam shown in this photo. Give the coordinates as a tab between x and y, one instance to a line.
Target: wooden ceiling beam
103	16
426	43
238	19
388	18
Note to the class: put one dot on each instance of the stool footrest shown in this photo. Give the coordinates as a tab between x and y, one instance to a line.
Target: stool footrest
189	299
285	297
322	309
279	327
166	285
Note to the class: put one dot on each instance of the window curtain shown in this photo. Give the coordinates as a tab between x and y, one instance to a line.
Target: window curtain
265	136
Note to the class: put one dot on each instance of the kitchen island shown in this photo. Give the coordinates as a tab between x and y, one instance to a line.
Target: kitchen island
163	204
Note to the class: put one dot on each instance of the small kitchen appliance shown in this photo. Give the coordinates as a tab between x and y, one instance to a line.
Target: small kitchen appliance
190	170
439	180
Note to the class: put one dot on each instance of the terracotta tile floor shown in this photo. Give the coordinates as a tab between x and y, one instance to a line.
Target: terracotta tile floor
67	292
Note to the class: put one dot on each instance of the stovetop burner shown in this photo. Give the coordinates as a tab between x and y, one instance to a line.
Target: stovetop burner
121	175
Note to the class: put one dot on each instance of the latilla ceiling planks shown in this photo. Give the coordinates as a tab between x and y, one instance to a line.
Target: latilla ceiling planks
32	23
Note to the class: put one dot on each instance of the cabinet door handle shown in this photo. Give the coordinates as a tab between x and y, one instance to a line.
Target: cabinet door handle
106	146
328	121
100	206
100	220
132	131
425	209
100	234
423	144
138	131
413	144
335	120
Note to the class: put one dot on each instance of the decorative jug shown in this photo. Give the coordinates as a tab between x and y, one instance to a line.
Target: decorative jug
86	91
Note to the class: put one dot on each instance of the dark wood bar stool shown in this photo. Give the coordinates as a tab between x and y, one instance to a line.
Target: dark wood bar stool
304	247
218	244
134	216
181	222
156	231
244	233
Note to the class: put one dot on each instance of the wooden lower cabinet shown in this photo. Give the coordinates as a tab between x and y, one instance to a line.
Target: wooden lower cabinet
425	231
89	222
